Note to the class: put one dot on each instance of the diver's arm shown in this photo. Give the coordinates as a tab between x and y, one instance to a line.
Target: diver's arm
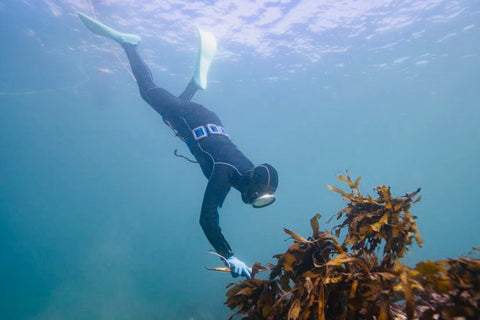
217	189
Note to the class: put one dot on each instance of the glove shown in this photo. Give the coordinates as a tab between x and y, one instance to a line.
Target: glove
239	268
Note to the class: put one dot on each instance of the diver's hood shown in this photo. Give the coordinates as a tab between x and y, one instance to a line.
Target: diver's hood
262	184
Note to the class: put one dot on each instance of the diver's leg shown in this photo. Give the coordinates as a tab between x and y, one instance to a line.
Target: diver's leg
158	98
140	70
189	91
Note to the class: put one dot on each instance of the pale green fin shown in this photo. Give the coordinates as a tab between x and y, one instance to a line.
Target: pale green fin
206	52
103	30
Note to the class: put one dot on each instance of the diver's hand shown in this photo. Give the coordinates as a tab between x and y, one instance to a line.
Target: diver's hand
239	268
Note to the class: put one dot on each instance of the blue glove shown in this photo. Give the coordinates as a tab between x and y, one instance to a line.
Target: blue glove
239	268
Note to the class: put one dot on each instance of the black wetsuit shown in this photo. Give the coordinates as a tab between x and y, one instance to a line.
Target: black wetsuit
221	162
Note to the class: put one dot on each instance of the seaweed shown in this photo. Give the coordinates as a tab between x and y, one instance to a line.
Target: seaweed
361	277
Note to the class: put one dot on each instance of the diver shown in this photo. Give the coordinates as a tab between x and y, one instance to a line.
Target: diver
221	162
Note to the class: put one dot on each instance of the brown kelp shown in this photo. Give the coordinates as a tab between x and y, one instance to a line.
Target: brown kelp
361	277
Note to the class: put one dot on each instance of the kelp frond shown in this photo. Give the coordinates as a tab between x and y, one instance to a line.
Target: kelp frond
320	277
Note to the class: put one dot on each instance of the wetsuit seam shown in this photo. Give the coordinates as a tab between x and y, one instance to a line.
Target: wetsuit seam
185	120
211	157
201	149
268	174
214	163
231	165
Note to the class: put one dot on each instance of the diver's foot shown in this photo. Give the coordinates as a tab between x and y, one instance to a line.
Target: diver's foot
104	30
206	52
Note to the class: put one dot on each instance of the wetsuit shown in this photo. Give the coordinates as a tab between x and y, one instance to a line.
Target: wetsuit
200	128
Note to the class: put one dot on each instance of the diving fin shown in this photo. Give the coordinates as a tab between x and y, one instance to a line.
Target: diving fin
104	30
206	51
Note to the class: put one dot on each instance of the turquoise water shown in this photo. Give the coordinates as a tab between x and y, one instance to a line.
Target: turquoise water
98	219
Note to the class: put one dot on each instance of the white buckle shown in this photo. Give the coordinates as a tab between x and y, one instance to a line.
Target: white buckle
199	132
214	129
204	131
223	131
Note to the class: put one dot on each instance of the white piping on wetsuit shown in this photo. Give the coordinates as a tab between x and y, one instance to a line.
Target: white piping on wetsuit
213	160
214	163
231	165
211	157
268	173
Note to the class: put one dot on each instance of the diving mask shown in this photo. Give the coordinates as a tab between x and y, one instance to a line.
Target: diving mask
263	201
